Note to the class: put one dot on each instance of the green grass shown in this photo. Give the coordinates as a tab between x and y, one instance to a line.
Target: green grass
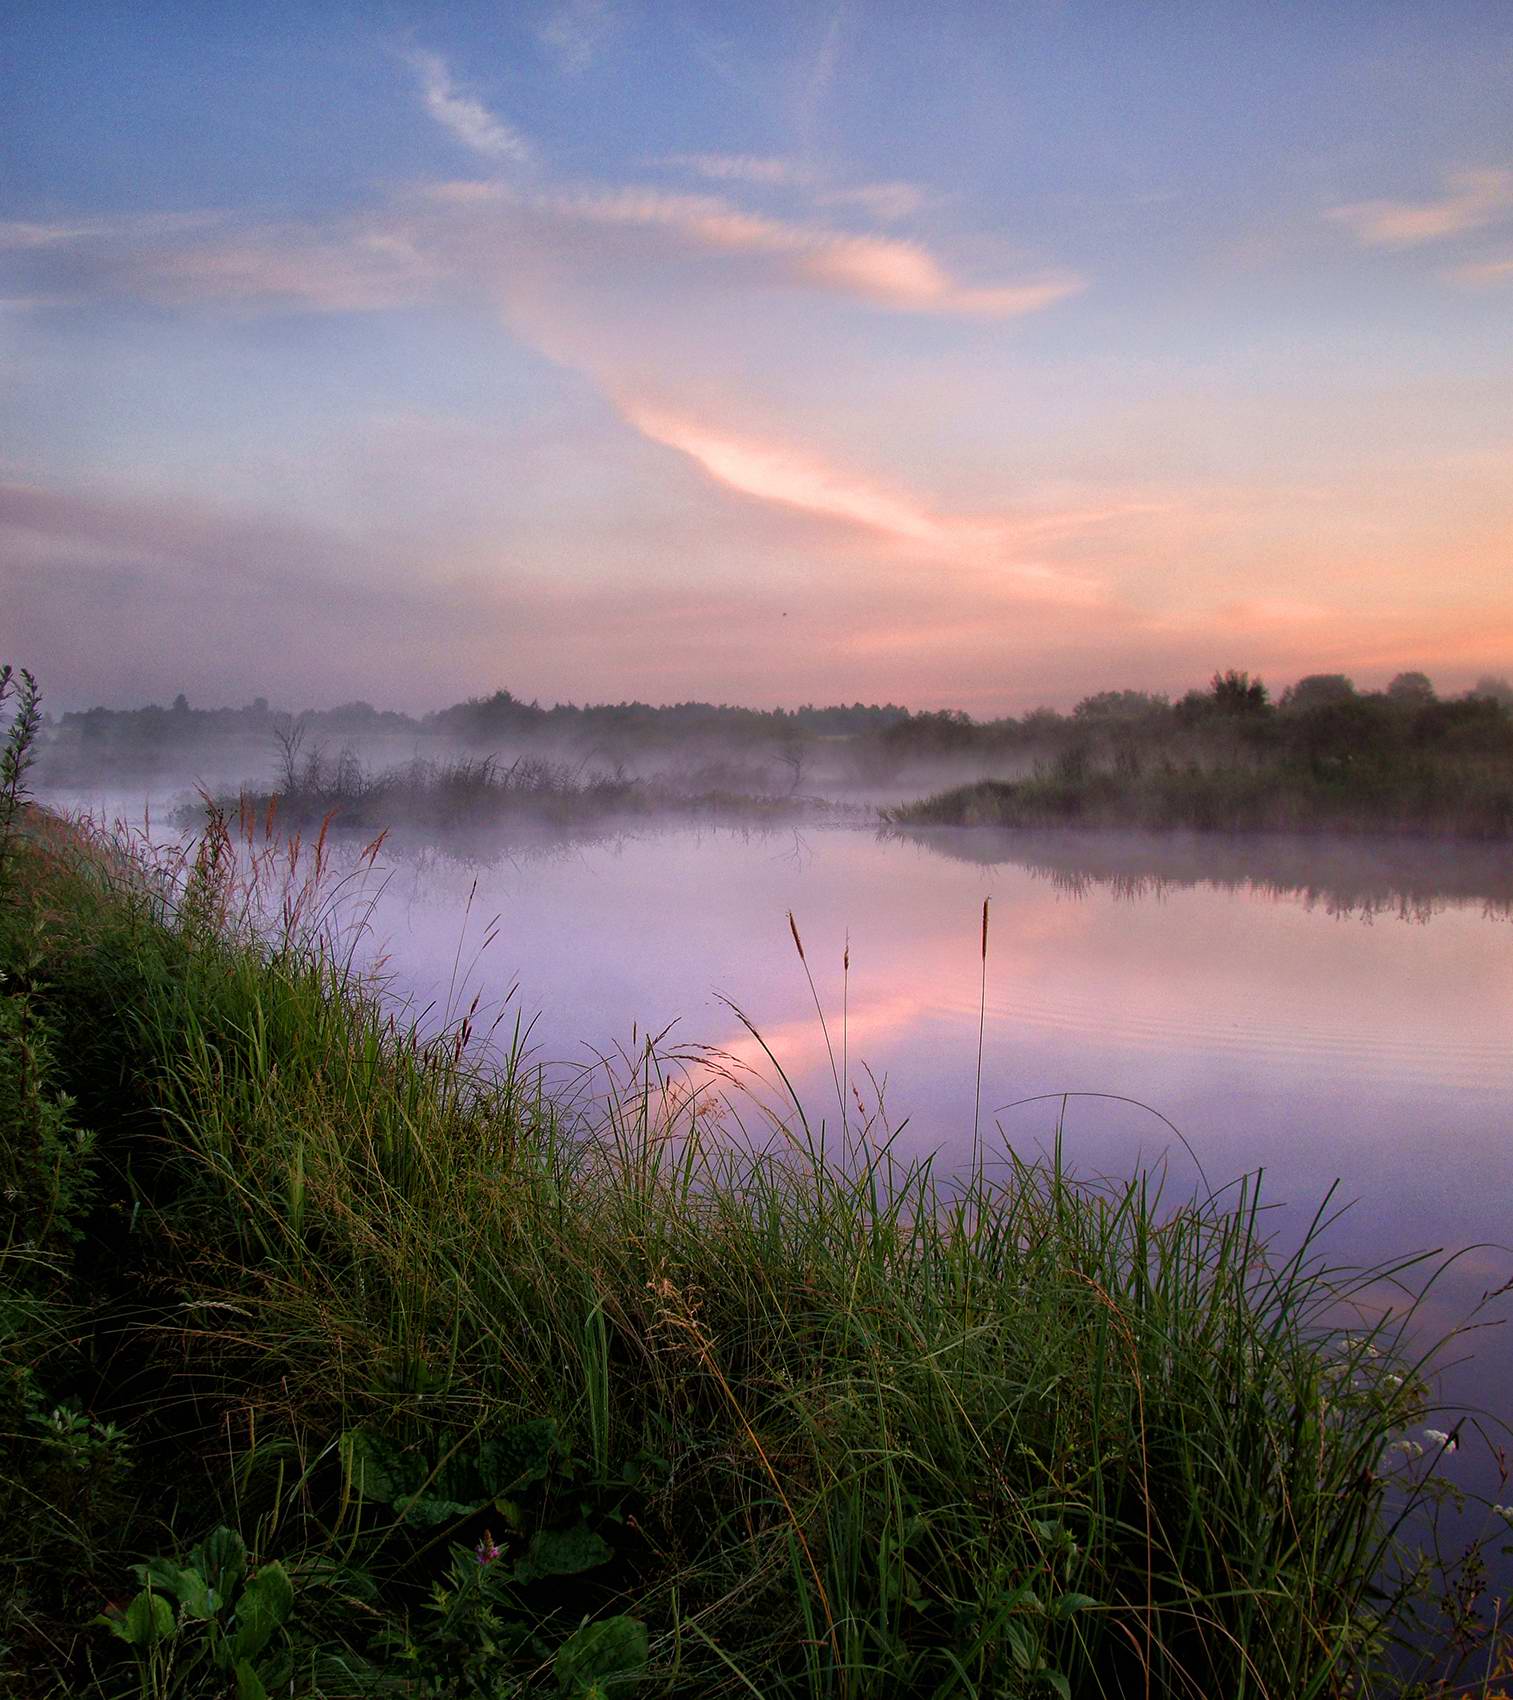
737	1415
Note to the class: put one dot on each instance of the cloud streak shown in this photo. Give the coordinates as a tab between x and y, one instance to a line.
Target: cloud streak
1472	200
468	119
887	202
886	271
779	474
476	236
1483	274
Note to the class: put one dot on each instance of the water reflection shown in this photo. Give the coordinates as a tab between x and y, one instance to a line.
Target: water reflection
1411	880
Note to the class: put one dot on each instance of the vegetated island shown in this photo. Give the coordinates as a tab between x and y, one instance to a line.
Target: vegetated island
336	1362
1325	759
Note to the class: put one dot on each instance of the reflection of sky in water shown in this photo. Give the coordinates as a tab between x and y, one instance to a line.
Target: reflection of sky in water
1274	1033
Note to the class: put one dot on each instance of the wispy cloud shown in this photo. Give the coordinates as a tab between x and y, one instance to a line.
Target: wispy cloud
779	473
1483	274
774	473
478	237
575	32
468	119
767	170
885	270
1471	201
886	202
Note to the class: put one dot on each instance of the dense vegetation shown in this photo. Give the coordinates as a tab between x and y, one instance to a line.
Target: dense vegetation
335	1363
1327	758
1326	753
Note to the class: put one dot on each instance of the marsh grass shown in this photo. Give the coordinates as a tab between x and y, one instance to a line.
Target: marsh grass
822	1421
480	795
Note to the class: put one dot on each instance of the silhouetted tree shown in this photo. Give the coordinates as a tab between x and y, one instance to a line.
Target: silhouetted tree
1317	690
1237	693
1411	690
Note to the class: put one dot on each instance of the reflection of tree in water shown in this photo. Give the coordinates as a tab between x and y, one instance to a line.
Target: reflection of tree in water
1405	881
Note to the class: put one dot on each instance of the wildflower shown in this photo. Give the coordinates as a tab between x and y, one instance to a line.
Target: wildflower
1410	1449
1505	1512
486	1551
1441	1439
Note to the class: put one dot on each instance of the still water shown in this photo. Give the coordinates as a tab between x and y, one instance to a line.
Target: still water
1324	1014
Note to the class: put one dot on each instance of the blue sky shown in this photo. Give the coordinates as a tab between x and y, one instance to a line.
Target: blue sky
981	355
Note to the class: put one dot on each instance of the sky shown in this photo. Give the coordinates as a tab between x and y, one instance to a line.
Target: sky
977	356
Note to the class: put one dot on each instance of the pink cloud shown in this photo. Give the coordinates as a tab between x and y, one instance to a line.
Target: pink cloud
885	270
986	548
478	237
1483	274
887	202
1472	200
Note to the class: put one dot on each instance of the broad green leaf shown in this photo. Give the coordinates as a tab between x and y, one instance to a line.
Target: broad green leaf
378	1470
183	1582
428	1510
517	1458
562	1552
147	1619
161	1574
266	1603
221	1558
614	1646
1058	1682
1022	1649
1066	1604
249	1685
197	1597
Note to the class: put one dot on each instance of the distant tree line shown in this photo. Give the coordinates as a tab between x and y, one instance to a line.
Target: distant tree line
1322	719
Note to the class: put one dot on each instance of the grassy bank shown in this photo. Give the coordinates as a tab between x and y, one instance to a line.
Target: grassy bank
389	1379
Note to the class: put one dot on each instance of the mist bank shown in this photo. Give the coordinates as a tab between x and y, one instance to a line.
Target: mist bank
880	753
475	806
